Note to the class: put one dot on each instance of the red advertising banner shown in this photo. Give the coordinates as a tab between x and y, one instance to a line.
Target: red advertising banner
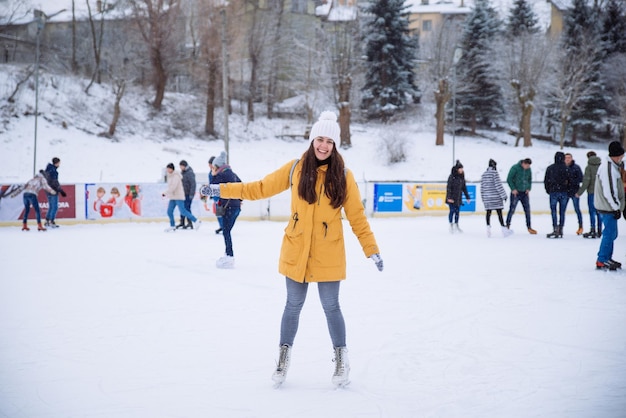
12	203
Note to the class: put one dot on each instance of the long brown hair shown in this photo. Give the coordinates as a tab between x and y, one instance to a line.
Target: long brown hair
334	184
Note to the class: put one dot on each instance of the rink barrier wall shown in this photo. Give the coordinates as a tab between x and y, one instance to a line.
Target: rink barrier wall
143	202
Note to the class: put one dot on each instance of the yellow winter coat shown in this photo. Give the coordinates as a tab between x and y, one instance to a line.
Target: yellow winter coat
313	246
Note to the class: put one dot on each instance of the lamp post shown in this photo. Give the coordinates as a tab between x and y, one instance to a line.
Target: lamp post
40	18
225	95
458	53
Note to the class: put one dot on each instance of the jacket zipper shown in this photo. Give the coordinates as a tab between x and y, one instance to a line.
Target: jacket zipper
295	221
325	228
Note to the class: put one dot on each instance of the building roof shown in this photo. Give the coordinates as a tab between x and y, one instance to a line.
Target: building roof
438	6
561	4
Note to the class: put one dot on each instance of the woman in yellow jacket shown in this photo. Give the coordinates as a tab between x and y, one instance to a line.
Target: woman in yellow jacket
313	245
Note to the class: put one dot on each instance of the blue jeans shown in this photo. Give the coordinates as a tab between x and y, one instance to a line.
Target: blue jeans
220	221
188	200
579	215
453	216
31	199
228	221
560	199
329	296
605	253
520	197
53	206
180	204
593	213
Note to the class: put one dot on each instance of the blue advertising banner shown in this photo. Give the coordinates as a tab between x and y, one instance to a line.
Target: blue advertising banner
387	197
471	206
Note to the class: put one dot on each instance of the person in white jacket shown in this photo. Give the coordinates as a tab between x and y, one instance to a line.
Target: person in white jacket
609	202
31	189
176	194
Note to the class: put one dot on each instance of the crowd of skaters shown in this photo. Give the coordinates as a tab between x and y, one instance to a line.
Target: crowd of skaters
564	180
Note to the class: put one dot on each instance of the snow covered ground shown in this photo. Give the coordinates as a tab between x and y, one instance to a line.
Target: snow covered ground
125	321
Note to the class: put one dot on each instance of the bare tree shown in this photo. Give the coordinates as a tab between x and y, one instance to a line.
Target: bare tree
209	50
572	85
96	41
615	76
276	49
74	42
343	63
119	88
13	10
438	60
157	23
23	76
257	38
528	59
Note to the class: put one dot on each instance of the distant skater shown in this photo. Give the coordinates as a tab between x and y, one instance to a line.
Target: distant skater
494	196
31	190
455	190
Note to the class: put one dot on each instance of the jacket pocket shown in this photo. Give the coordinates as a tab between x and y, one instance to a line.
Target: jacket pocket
293	242
329	248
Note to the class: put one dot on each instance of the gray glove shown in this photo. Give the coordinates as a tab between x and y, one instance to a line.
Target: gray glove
211	190
378	260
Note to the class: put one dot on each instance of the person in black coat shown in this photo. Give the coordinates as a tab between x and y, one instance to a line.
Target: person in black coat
575	177
556	182
189	186
52	176
454	195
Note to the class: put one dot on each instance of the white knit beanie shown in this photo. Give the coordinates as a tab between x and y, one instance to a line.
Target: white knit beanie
326	126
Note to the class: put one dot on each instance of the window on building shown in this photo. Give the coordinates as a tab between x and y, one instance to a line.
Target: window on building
299	6
427	25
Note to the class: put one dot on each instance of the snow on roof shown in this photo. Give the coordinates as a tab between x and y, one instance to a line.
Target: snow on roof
540	7
561	4
442	7
342	13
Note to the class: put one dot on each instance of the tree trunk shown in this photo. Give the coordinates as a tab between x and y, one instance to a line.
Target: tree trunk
209	123
117	110
574	135
562	133
273	76
251	93
160	79
473	124
527	112
442	96
74	62
345	84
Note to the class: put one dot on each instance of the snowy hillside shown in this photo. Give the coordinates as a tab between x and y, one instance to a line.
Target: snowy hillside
70	120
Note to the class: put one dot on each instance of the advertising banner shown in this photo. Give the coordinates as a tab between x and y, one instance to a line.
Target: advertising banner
136	200
432	196
12	203
387	197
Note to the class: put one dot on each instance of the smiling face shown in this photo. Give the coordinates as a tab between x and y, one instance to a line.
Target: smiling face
323	147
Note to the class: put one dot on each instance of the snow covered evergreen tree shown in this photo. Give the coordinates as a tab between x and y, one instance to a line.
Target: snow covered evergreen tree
390	51
479	97
613	35
614	27
584	95
522	20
